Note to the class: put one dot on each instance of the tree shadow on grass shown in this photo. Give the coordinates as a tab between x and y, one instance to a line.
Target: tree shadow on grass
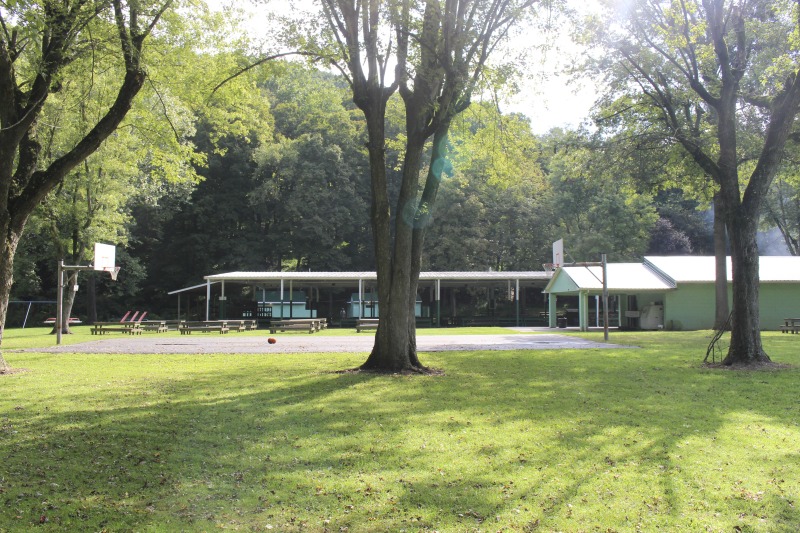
509	440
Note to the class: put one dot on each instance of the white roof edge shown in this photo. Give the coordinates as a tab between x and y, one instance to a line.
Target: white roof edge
503	275
190	288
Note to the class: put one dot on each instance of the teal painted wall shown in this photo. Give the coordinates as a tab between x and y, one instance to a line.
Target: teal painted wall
778	301
563	284
690	307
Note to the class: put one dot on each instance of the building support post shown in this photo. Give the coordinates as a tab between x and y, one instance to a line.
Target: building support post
281	299
360	298
222	301
552	310
208	300
583	310
438	303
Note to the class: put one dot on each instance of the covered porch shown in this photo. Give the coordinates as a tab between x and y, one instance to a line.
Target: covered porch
443	298
635	294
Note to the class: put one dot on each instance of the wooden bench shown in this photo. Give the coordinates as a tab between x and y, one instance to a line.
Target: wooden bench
243	324
790	325
186	328
51	321
310	324
159	326
366	323
236	325
173	324
101	328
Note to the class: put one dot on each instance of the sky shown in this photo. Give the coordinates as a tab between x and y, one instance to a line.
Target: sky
547	97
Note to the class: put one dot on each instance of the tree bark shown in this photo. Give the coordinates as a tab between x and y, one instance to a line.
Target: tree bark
69	302
745	347
395	340
722	309
8	248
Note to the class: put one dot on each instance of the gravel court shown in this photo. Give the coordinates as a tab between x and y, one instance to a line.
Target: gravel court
230	343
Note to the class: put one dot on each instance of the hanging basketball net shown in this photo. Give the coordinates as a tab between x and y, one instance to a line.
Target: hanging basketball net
112	272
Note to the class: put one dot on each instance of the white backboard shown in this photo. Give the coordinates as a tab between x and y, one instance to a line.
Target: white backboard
104	256
558	253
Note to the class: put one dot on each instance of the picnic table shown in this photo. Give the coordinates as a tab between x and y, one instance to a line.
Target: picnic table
366	323
131	328
790	325
242	325
159	326
187	328
310	324
51	321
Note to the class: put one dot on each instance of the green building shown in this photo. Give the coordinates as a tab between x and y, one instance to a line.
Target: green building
674	292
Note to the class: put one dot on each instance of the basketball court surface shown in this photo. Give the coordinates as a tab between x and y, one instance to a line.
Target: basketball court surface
523	339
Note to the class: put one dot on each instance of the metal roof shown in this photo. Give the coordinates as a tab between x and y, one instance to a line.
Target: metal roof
621	277
255	277
701	269
666	273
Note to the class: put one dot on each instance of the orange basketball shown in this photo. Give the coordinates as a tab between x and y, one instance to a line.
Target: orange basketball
272	340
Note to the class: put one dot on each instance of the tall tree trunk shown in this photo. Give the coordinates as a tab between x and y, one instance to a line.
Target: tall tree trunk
745	347
395	340
8	247
721	263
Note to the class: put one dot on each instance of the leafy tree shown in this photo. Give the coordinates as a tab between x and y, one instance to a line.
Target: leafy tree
440	50
309	191
593	205
782	207
665	239
85	209
689	222
39	43
285	192
190	231
490	212
720	79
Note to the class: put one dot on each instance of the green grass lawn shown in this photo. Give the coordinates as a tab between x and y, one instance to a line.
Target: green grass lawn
571	440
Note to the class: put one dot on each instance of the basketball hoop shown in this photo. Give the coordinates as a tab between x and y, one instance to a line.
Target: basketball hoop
549	267
113	272
103	262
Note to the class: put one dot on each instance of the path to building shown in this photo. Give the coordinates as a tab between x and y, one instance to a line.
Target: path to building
294	343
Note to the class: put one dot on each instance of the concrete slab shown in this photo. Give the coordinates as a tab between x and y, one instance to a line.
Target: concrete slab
232	343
